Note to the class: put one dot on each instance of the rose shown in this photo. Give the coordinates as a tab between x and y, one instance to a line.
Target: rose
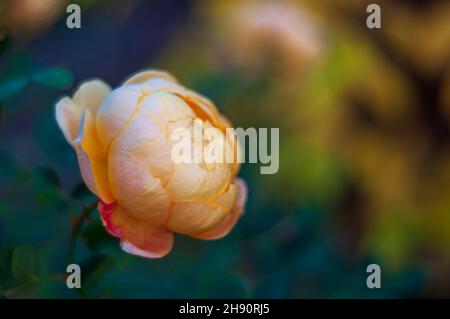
123	142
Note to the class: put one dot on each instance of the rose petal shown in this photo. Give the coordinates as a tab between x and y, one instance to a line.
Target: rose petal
196	217
175	107
69	111
149	75
136	189
106	214
228	222
202	106
68	116
190	182
85	165
206	110
116	110
92	160
157	249
147	143
136	237
227	200
91	94
75	117
193	217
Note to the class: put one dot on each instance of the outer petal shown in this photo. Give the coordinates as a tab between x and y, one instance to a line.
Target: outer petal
190	181
200	181
175	108
75	118
85	165
91	94
106	214
68	112
145	141
68	116
206	110
116	110
136	237
195	217
158	84
93	164
136	189
228	222
203	107
227	200
165	110
149	75
88	144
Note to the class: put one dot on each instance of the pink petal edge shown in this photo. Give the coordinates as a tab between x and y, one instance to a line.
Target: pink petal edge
106	212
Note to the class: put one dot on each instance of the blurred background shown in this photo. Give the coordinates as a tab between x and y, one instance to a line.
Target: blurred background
364	146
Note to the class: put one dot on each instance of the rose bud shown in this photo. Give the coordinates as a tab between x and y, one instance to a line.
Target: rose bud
123	142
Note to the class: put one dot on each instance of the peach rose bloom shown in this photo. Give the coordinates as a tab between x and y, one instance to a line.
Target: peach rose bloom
123	142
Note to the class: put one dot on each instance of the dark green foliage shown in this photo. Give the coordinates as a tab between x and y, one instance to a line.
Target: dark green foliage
21	72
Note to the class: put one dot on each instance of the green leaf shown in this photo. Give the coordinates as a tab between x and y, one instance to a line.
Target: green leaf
21	71
16	76
23	263
12	87
54	77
